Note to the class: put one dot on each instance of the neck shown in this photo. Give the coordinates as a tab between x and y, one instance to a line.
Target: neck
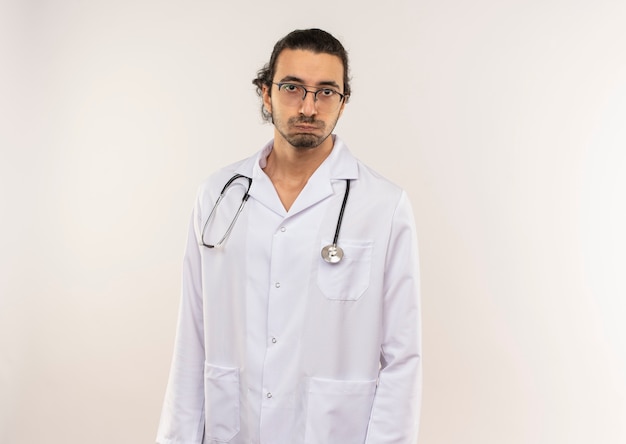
290	168
296	164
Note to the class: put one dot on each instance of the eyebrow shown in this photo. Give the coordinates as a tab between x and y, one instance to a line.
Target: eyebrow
299	80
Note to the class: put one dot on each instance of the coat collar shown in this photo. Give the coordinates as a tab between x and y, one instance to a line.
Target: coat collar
339	165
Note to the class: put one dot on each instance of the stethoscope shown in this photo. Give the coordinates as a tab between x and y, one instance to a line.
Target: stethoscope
332	253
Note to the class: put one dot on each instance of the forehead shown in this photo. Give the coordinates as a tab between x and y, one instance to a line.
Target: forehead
309	67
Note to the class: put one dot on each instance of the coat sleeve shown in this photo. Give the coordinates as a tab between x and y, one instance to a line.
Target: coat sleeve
395	413
182	418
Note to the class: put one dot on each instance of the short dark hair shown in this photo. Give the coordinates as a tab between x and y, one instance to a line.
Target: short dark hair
315	40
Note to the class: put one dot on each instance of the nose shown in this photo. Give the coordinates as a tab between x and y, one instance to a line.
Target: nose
308	107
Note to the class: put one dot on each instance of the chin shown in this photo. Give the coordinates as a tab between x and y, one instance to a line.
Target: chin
305	142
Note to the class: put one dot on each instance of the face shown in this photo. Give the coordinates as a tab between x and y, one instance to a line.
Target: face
302	125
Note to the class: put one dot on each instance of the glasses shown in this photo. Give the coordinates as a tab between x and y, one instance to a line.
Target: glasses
234	218
327	100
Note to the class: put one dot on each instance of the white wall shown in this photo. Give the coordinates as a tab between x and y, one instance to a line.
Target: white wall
504	120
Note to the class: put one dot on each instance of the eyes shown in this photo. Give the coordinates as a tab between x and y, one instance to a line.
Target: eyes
326	100
294	88
289	87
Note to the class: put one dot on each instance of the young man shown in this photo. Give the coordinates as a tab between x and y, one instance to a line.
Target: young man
300	315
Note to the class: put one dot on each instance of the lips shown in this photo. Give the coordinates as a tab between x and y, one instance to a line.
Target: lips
306	127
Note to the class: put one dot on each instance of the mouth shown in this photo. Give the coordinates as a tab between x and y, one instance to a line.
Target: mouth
306	128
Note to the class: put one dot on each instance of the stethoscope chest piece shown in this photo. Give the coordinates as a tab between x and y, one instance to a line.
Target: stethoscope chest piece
332	254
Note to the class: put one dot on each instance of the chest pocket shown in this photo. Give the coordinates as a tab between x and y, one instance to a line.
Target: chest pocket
348	279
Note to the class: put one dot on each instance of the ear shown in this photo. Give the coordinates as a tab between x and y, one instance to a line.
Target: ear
267	99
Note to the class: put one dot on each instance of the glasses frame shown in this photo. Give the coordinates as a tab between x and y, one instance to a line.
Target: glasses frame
244	199
342	97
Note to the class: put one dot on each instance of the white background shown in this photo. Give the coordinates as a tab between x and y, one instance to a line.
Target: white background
504	120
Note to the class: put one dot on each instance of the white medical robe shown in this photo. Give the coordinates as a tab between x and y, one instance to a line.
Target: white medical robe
276	346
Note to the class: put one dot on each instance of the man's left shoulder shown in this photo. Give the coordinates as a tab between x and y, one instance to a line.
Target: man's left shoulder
373	180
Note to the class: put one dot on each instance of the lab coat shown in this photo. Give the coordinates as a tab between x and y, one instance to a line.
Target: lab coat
276	346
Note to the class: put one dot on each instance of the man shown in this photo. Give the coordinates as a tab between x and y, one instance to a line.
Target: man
300	318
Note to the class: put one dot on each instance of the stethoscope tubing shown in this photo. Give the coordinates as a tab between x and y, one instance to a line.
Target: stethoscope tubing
343	209
244	199
331	253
